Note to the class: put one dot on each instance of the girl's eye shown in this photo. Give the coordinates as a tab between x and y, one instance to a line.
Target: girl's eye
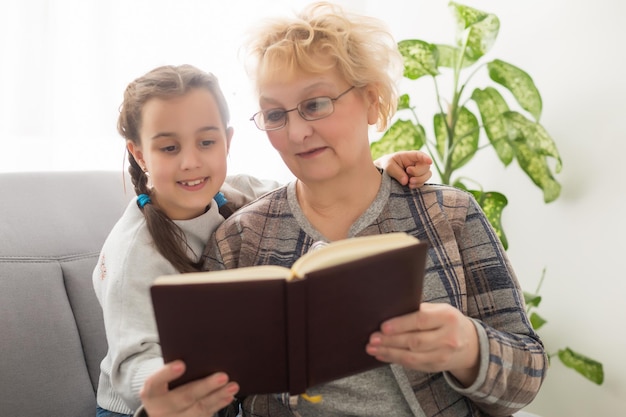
169	149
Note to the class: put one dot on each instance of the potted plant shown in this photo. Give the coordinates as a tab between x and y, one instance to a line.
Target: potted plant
502	116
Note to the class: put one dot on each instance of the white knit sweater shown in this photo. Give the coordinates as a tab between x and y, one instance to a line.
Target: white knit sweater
128	264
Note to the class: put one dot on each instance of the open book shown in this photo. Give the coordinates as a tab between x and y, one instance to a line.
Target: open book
273	329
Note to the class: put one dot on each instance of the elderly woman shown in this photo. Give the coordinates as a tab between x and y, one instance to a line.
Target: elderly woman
322	79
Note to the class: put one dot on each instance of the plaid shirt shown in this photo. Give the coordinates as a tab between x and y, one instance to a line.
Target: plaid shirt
466	267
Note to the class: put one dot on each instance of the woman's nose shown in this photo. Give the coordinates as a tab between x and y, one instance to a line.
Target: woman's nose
298	129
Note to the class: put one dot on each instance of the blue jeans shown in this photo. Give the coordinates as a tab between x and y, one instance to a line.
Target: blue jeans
101	412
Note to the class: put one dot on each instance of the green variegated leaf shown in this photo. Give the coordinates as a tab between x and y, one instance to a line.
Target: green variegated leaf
537	321
448	55
481	37
465	142
466	16
404	102
403	134
587	367
441	134
533	146
492	106
537	169
420	58
532	300
492	203
475	30
519	83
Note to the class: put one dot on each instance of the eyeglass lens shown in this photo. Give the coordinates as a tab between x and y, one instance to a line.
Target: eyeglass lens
312	109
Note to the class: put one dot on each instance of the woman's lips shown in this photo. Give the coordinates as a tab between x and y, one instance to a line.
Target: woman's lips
311	153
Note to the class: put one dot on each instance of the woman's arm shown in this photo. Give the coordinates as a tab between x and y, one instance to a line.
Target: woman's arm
486	347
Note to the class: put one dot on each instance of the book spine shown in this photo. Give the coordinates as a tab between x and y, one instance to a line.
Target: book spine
296	335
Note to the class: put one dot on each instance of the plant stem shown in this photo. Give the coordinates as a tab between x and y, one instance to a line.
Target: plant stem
428	145
453	112
543	275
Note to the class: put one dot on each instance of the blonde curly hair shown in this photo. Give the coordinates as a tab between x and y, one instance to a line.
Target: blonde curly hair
359	47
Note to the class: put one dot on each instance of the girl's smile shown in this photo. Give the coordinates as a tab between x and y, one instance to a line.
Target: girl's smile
194	185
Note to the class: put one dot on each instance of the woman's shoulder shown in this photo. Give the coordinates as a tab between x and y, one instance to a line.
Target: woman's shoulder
446	190
442	193
436	199
272	205
271	198
240	189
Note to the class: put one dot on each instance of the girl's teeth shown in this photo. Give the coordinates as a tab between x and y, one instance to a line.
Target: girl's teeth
192	183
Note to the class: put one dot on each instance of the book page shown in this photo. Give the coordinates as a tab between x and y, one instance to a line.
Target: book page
251	273
346	250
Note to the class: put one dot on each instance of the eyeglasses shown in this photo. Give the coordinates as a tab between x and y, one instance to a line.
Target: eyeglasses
311	109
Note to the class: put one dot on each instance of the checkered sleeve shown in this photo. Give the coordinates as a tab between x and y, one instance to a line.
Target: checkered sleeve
513	363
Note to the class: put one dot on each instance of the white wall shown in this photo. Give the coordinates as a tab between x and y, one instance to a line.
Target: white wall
66	63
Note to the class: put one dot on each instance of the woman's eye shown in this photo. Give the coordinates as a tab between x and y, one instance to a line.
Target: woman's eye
316	106
273	116
206	143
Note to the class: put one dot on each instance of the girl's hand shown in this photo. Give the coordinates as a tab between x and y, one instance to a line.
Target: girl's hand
436	338
407	167
199	398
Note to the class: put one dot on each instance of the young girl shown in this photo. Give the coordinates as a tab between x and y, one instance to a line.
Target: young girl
176	124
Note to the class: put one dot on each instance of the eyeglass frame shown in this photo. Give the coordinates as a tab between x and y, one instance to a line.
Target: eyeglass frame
332	101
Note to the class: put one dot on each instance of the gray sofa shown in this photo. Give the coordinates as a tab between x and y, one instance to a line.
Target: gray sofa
52	226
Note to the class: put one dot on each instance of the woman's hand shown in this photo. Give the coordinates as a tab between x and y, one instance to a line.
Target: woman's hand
407	167
199	398
436	338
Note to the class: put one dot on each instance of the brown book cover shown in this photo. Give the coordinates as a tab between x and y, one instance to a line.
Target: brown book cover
278	330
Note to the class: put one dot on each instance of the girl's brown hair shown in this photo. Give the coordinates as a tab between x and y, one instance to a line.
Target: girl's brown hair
164	83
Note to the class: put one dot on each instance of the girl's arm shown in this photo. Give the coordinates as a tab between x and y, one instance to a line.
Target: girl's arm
410	168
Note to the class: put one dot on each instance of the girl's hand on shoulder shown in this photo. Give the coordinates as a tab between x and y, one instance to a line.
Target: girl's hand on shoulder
410	168
203	397
436	338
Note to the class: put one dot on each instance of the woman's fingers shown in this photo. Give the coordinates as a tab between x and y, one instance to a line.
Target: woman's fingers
436	338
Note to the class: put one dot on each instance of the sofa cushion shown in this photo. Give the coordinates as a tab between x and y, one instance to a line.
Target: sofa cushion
52	226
